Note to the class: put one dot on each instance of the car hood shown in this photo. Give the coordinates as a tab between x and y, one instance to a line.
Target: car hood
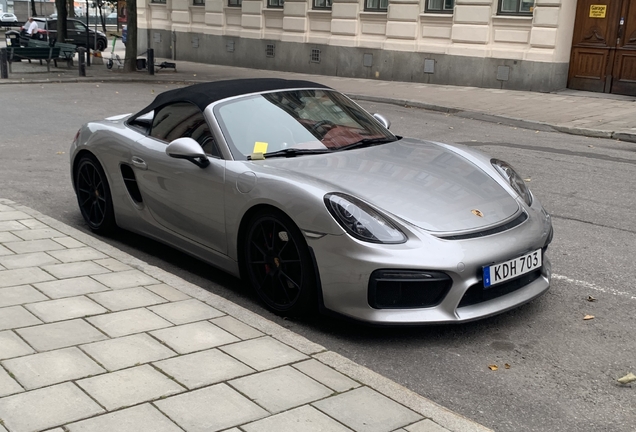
423	183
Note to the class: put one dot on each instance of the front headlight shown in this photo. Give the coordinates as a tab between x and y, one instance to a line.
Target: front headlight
518	184
362	221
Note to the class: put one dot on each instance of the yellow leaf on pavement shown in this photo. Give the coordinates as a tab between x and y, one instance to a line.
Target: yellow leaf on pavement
493	367
507	366
588	317
591	299
627	378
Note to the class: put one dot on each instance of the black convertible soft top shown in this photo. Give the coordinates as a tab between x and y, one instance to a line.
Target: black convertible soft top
204	94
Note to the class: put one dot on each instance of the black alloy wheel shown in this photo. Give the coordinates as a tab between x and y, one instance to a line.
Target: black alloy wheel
278	265
93	195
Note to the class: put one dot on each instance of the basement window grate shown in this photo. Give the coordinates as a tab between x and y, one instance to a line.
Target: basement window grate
315	55
269	52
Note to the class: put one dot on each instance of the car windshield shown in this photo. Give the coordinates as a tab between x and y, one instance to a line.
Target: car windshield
295	122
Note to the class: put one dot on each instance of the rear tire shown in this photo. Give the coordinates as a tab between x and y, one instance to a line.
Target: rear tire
93	195
277	264
101	45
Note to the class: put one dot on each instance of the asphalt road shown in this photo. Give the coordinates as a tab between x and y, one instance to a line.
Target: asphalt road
563	370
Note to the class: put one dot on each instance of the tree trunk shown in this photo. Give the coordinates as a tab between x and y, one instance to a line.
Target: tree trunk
130	64
34	13
102	19
70	9
62	33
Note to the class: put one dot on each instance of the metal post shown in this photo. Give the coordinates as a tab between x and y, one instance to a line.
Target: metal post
151	61
81	55
88	37
4	71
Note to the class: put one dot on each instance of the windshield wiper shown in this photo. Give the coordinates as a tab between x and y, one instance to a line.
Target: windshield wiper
291	152
367	142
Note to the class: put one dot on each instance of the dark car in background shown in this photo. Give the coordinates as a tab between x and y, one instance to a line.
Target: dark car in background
76	32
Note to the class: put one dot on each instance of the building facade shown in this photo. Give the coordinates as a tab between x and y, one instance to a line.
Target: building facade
514	44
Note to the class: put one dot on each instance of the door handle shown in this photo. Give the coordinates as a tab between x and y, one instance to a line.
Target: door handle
139	163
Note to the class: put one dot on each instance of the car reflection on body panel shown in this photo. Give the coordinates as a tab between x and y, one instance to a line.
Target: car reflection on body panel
315	203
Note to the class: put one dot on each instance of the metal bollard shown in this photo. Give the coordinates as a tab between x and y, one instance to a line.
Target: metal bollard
4	71
151	61
81	55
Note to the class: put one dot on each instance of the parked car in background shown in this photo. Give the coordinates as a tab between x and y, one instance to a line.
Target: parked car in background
8	18
76	32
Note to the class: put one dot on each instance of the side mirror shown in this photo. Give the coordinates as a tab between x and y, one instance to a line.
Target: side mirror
383	120
187	148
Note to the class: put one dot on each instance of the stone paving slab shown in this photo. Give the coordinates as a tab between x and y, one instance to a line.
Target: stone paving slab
280	389
8	385
128	298
60	334
70	287
46	408
136	419
305	419
64	309
193	337
51	367
182	359
210	409
194	371
128	351
15	317
129	387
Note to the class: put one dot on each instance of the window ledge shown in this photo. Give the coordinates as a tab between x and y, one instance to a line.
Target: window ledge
273	11
373	15
158	4
448	16
512	17
232	9
319	12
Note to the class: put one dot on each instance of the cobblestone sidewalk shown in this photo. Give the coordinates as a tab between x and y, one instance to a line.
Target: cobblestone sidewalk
92	339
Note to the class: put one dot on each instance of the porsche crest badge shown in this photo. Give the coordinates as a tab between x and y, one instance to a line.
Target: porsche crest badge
477	213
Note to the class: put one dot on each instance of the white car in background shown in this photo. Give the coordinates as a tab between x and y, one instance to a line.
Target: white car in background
8	18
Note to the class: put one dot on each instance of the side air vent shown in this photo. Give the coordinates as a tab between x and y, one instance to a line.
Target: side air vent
131	183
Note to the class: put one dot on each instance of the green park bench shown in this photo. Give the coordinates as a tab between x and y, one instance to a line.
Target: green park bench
67	50
33	53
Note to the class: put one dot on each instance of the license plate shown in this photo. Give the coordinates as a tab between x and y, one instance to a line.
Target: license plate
498	273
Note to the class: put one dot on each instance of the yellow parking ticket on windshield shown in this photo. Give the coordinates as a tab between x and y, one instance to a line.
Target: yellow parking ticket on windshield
260	147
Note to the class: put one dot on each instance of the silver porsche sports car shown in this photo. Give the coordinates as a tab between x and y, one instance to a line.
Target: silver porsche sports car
315	203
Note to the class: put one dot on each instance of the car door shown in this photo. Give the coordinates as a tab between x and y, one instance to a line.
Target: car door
76	31
181	196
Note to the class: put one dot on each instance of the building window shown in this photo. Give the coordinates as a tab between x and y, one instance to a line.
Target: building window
440	6
516	7
275	3
234	3
322	4
158	1
376	5
198	2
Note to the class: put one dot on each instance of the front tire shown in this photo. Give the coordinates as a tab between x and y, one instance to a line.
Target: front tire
277	264
93	195
101	45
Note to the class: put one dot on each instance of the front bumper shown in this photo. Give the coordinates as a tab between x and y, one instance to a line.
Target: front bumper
346	264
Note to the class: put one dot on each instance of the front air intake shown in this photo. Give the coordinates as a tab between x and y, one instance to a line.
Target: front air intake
407	289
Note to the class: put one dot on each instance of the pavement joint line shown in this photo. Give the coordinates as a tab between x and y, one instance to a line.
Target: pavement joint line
360	374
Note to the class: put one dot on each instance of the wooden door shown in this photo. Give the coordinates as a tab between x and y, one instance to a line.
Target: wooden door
604	47
624	70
